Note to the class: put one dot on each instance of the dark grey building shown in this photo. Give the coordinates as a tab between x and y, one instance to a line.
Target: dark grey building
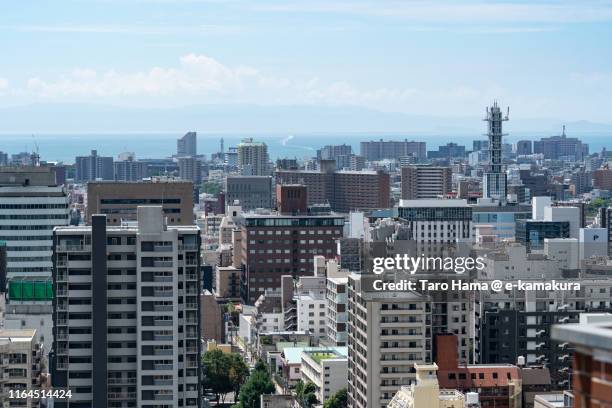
187	145
252	191
532	233
392	149
130	170
448	151
524	147
93	167
561	147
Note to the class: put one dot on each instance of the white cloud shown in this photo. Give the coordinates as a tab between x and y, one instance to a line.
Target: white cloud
479	12
202	79
130	29
3	84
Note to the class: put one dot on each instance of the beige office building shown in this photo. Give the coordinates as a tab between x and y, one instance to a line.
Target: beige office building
119	200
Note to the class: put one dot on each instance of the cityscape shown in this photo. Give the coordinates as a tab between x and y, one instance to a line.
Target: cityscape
285	204
197	280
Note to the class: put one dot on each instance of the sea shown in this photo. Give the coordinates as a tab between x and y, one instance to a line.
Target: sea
65	147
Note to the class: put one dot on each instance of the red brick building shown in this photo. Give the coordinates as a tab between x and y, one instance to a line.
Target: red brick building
498	385
291	199
592	368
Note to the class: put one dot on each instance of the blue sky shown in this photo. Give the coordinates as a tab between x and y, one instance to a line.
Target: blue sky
544	58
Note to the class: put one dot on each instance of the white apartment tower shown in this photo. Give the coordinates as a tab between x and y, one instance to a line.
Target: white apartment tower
388	333
126	313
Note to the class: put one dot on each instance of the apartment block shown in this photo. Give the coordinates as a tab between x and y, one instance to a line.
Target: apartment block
119	201
519	323
420	182
187	145
134	340
253	158
190	168
343	190
21	367
380	150
388	332
326	368
93	167
130	170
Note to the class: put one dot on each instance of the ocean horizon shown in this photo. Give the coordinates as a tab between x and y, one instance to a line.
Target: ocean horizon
65	147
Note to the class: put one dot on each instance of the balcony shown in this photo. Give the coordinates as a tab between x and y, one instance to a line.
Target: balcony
162	367
120	381
121	395
73	247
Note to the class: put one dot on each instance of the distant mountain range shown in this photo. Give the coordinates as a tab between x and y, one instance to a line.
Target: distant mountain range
52	118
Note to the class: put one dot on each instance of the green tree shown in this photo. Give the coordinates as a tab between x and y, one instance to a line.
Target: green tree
338	400
223	372
238	371
306	394
258	383
211	187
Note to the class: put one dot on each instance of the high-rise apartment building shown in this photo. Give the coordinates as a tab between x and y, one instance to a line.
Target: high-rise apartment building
388	333
190	168
119	201
31	205
130	170
253	158
187	145
251	191
495	183
380	150
126	313
93	167
343	190
426	182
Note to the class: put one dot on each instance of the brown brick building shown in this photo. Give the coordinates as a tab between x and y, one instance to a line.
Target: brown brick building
274	245
291	199
498	385
119	200
592	373
343	190
602	179
426	182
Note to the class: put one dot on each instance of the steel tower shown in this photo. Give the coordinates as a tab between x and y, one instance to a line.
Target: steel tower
495	182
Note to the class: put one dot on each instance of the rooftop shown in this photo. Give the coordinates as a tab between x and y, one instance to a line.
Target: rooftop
596	336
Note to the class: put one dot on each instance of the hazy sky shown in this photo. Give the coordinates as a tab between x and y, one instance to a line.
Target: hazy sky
543	58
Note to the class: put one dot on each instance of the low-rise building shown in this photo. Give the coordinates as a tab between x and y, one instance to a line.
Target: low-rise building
426	392
327	369
21	367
